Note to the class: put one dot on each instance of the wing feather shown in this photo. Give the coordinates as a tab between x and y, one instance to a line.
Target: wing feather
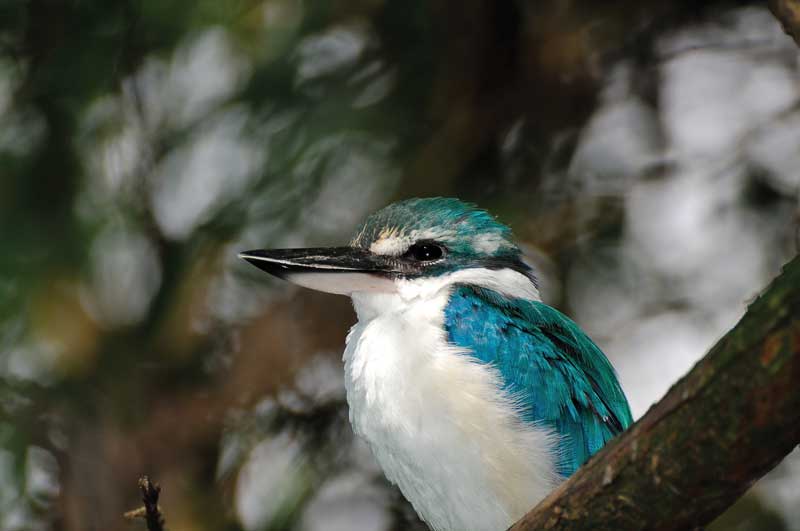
547	363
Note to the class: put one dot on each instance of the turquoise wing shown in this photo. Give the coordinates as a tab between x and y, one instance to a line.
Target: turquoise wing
548	363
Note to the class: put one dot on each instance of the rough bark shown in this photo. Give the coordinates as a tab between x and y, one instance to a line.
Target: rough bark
725	424
788	12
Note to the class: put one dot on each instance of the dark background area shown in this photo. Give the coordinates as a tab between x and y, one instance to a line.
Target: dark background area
647	155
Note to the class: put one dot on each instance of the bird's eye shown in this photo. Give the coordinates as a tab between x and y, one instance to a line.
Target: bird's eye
424	252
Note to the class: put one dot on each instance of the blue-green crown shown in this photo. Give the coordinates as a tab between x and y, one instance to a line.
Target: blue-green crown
471	236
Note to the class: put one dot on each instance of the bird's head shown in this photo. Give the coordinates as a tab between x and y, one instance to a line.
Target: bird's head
421	241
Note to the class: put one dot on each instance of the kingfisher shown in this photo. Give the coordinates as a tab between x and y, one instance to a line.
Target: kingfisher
476	398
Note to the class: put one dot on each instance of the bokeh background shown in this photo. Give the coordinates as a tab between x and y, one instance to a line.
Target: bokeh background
647	155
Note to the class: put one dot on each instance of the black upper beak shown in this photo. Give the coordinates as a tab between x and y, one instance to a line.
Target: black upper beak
341	270
284	262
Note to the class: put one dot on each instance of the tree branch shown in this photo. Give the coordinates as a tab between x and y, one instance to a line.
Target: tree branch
788	12
725	424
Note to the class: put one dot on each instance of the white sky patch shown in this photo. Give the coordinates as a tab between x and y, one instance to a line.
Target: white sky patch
203	73
276	474
776	147
321	380
619	142
21	127
346	502
125	276
212	167
693	252
22	130
118	131
41	475
332	50
375	90
712	97
358	176
780	490
674	339
10	497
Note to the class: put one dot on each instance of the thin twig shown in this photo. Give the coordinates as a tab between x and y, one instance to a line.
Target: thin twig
150	511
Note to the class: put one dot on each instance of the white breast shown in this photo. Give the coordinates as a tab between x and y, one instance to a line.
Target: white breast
437	422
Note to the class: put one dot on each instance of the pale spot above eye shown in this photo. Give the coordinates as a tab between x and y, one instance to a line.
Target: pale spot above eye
390	245
488	243
394	242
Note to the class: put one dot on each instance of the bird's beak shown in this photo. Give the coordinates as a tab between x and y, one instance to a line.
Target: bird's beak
340	270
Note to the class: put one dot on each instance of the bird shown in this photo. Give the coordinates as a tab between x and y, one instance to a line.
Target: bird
476	398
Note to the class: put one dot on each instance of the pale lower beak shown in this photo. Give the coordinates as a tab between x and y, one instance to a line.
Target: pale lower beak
340	270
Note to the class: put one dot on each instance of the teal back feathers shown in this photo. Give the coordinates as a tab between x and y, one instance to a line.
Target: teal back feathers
560	377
